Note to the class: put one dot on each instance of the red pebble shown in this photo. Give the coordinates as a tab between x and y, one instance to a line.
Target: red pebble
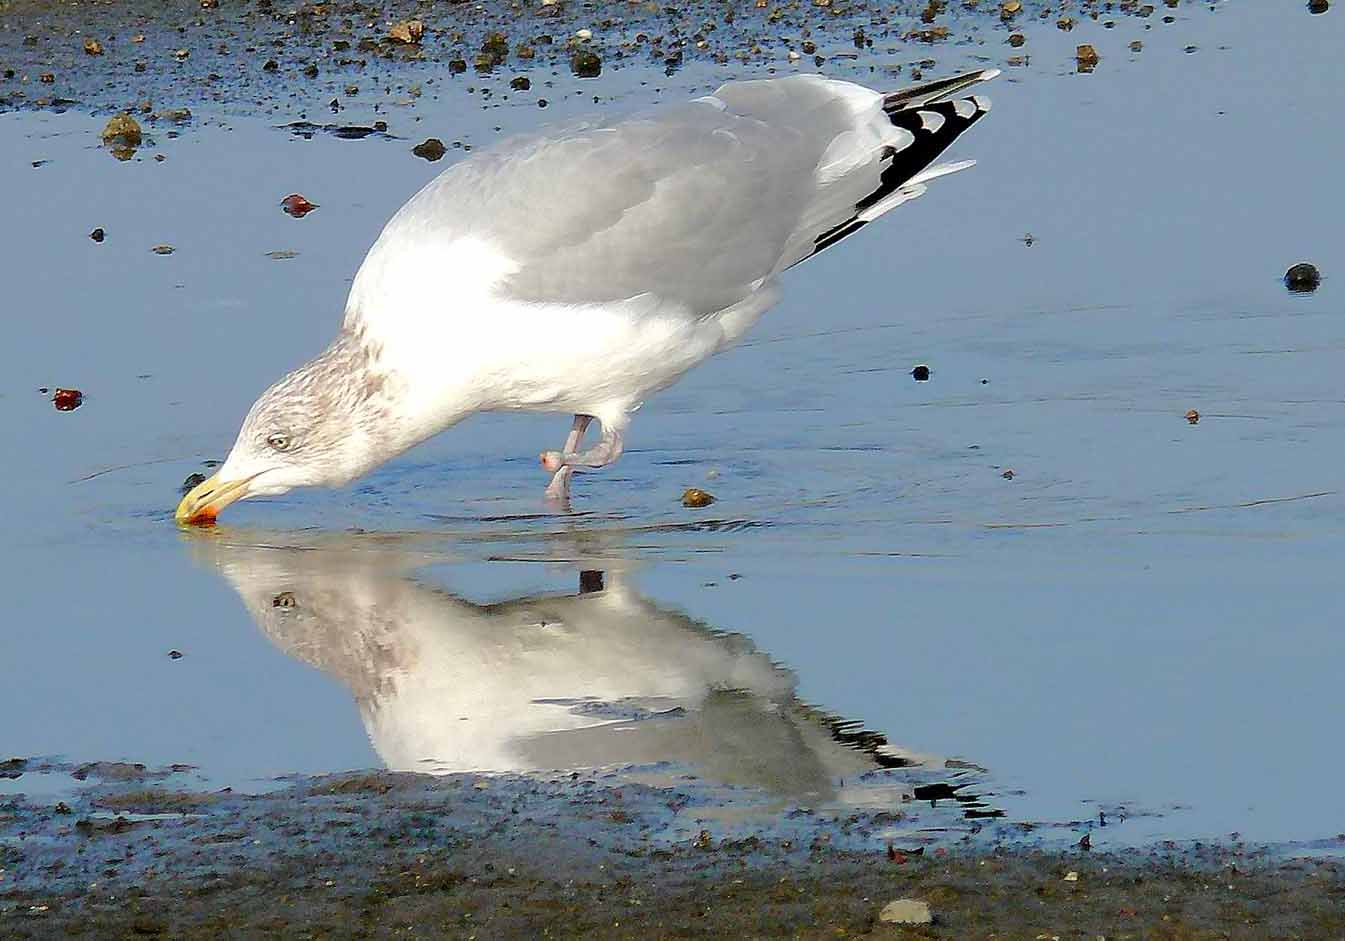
67	400
297	206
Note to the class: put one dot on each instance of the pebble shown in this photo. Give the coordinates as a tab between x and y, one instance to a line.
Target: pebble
1086	57
1302	278
67	400
1318	6
297	205
586	64
906	912
695	498
163	249
1193	417
920	373
93	47
98	234
407	31
122	130
191	481
431	149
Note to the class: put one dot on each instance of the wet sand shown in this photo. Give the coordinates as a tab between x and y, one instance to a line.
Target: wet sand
378	855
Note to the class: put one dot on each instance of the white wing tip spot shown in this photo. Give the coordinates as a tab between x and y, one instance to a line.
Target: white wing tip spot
931	121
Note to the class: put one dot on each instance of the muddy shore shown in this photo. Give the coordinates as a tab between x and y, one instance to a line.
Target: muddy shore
373	855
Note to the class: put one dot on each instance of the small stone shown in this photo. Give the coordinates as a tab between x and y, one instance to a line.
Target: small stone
47	78
176	115
93	47
282	254
175	655
920	373
1086	57
67	400
520	83
1136	45
122	130
407	31
297	205
1065	23
1318	6
586	64
1009	473
98	234
584	34
695	498
163	249
182	54
494	49
138	38
1010	8
906	912
1087	842
270	65
1071	876
1017	39
1193	417
457	66
431	149
1302	278
352	90
191	481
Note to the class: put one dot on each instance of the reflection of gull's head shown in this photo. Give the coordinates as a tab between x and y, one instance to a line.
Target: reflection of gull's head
586	680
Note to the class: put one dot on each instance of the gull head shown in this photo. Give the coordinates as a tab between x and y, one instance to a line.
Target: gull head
324	424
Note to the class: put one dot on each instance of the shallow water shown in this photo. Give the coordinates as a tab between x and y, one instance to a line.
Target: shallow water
1141	620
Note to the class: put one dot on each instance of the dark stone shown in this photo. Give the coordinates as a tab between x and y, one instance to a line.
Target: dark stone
430	149
586	64
1302	278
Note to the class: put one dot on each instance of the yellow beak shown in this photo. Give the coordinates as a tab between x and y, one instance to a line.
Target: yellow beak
204	501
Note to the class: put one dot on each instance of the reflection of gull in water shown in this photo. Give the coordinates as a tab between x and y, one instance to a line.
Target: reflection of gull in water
588	680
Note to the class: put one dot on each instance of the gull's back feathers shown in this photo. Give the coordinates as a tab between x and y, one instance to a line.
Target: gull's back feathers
697	204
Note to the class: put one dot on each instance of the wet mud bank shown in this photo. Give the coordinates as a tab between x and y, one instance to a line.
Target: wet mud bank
370	855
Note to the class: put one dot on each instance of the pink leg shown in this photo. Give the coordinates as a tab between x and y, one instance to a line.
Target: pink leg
563	463
559	488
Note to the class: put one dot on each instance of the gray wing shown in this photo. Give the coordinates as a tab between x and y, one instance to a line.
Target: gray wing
694	203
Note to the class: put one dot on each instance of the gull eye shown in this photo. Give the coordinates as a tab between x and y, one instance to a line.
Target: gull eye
278	441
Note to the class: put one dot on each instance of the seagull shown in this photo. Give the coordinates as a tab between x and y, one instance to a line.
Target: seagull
586	267
596	679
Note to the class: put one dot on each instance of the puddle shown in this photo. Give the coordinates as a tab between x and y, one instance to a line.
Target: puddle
1138	621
